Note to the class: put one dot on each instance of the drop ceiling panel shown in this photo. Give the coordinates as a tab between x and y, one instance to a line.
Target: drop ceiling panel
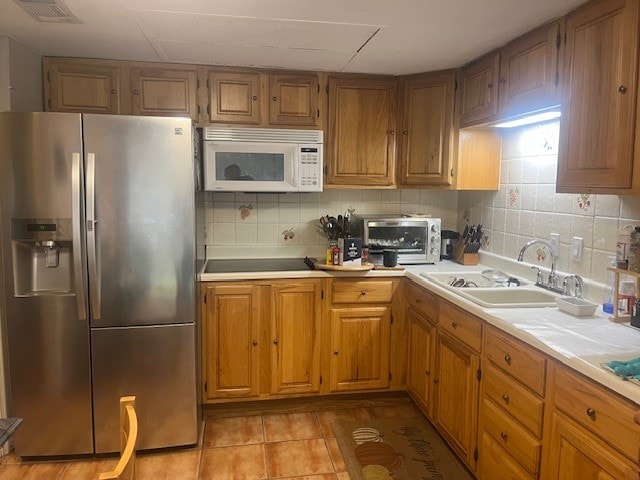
268	57
246	31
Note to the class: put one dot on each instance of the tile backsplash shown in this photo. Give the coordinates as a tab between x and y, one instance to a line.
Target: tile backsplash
527	207
231	224
236	225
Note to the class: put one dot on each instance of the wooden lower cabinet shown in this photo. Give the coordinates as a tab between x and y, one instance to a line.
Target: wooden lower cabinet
496	464
576	454
295	331
231	341
456	409
360	341
421	371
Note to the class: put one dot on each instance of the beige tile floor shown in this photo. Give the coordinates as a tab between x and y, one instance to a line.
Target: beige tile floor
291	445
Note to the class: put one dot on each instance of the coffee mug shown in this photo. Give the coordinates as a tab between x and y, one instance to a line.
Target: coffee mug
389	258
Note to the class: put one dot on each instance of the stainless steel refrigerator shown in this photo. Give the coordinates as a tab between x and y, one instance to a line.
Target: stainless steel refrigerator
97	234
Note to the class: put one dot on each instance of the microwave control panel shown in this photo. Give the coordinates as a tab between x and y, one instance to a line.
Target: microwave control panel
310	168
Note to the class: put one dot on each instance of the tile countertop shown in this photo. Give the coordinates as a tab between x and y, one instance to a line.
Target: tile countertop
582	343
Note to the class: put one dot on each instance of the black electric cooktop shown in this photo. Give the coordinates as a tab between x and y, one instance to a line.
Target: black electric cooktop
259	265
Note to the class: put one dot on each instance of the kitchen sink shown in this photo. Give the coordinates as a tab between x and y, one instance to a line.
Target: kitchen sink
493	289
510	297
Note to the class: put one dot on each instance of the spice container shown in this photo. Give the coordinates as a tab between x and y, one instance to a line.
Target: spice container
634	250
626	297
622	247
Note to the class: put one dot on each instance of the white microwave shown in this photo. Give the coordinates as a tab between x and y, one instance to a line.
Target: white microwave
262	160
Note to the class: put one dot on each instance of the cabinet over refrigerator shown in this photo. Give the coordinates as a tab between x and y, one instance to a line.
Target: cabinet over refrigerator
97	231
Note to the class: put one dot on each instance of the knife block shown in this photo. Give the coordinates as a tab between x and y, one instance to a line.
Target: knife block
464	258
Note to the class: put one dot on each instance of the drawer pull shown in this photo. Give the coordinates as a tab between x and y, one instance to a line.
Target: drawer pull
504	436
436	381
275	342
335	352
427	372
363	292
254	343
591	413
506	398
507	358
454	324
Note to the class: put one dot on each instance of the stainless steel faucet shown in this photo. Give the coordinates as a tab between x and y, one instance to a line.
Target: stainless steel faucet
552	282
578	283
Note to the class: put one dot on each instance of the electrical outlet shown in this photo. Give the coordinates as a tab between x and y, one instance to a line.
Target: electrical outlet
554	241
577	244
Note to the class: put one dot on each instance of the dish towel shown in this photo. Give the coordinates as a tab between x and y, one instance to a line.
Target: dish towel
629	369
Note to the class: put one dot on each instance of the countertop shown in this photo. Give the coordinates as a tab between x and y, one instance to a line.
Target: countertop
582	343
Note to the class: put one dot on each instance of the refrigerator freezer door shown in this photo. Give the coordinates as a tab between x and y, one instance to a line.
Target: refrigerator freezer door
143	221
47	342
157	365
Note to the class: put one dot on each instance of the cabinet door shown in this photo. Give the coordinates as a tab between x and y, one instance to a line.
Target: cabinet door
529	78
360	340
231	341
575	453
458	390
598	115
422	344
294	99
479	83
427	129
361	139
164	92
234	97
84	88
295	331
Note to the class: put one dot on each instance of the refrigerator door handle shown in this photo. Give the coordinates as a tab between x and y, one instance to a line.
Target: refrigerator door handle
76	218
92	238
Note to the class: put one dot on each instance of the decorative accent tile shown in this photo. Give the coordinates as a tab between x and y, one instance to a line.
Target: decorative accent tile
584	201
514	192
466	215
245	211
288	234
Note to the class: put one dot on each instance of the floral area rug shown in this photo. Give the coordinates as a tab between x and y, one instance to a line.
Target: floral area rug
399	449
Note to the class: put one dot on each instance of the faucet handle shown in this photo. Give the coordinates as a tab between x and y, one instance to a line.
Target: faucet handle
539	279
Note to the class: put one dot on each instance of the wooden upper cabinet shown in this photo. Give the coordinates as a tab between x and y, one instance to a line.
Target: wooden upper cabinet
293	99
234	97
529	77
599	98
164	91
295	331
479	85
74	86
361	143
427	128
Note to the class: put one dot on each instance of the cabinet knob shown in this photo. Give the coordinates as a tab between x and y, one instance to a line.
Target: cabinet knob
503	80
335	352
504	436
506	398
507	358
254	97
454	324
391	132
490	85
114	91
135	92
427	372
436	381
405	132
418	301
254	343
275	342
622	89
591	413
275	99
363	292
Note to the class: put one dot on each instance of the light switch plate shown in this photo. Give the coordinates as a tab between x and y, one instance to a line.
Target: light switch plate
577	245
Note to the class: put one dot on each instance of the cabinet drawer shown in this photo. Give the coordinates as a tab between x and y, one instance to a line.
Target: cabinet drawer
424	302
515	440
496	464
517	359
598	410
461	325
366	291
514	399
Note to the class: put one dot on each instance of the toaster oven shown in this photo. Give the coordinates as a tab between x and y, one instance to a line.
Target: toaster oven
416	239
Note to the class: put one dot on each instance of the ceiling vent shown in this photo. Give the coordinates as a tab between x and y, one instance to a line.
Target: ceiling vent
48	11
